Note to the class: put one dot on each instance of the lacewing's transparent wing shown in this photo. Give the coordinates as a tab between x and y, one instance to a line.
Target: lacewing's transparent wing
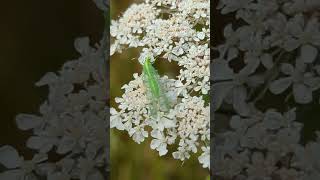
158	99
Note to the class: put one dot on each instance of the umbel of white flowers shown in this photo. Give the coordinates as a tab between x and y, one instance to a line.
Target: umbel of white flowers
277	43
175	31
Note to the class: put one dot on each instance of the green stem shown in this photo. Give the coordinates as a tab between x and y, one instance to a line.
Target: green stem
272	74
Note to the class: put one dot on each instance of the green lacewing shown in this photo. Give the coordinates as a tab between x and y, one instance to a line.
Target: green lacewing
158	99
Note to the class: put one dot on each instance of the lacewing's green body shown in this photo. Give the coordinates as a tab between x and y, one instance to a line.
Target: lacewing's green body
151	78
158	98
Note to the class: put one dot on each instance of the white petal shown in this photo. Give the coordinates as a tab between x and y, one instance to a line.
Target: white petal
28	121
40	143
266	60
66	144
221	70
239	100
291	44
82	45
287	69
201	35
302	94
168	123
155	143
308	53
48	78
220	90
40	157
232	53
9	157
162	149
280	85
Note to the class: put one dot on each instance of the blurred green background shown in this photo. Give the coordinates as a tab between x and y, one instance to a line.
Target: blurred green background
129	160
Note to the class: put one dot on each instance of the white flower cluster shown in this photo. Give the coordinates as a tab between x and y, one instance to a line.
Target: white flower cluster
70	135
72	123
265	73
177	31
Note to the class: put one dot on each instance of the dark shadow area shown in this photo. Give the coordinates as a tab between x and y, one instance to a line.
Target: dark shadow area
37	37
